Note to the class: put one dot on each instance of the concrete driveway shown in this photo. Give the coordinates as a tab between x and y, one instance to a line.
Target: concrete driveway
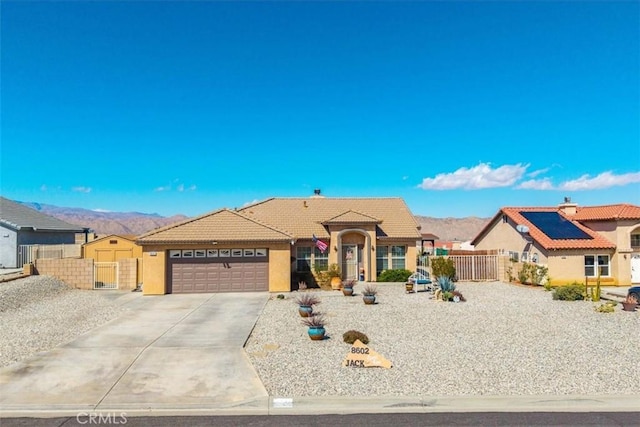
172	352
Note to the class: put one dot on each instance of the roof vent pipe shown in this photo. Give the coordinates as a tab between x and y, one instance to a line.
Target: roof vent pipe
316	191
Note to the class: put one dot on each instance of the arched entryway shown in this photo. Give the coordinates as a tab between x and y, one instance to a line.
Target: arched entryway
354	254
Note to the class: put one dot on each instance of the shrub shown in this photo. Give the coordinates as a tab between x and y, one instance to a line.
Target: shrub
608	307
351	336
441	266
395	275
572	292
523	274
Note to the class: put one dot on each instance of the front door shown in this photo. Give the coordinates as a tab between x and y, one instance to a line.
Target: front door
635	268
350	261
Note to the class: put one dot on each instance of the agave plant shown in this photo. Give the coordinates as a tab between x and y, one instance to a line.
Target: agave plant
446	284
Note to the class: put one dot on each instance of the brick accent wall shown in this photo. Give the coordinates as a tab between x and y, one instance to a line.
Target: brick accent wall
127	273
76	272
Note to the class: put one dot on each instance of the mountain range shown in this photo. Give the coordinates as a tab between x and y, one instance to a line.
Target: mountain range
134	223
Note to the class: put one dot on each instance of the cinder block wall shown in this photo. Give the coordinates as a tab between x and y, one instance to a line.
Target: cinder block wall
76	272
127	273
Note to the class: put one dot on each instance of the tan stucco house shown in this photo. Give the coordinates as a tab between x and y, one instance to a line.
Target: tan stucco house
574	243
260	247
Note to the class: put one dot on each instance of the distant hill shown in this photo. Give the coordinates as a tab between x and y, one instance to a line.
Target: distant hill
136	223
450	229
105	223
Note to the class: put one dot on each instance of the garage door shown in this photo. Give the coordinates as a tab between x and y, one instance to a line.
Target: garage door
217	275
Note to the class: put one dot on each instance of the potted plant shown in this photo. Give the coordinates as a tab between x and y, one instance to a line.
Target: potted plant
347	287
630	303
305	302
369	294
335	276
315	322
409	287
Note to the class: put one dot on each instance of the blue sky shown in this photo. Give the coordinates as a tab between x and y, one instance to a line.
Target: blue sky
460	108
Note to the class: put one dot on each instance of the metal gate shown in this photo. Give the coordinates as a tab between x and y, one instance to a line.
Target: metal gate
105	275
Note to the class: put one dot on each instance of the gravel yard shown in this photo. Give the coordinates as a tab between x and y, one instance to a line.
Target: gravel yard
505	340
38	313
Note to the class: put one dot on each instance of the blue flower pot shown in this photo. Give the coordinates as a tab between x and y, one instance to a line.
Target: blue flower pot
305	310
347	291
369	299
316	334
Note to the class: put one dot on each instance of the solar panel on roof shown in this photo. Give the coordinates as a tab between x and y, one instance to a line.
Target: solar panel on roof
554	225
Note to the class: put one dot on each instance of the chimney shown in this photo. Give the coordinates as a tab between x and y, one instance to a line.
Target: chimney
567	207
316	194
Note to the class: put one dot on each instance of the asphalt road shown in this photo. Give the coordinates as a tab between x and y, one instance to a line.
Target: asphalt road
528	419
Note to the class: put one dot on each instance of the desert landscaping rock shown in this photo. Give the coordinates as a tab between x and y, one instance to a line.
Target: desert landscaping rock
38	313
505	340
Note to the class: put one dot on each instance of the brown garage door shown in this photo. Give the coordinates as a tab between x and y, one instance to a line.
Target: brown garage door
231	275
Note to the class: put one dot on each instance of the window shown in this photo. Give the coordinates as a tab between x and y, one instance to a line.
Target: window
320	260
635	240
596	263
382	259
397	256
303	258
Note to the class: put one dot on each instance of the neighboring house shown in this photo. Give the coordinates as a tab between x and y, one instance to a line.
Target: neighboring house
258	247
21	225
574	243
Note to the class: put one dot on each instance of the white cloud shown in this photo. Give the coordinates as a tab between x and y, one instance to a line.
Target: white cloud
536	184
601	181
538	172
100	210
477	177
81	189
179	187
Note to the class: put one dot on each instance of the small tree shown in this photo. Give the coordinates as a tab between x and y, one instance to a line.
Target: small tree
443	267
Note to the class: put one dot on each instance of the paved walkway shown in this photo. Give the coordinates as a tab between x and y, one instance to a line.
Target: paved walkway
183	355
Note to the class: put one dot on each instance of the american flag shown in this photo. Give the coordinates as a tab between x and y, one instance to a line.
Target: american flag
320	244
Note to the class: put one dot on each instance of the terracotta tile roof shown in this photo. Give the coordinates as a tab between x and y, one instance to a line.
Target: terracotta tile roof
220	226
608	212
304	217
596	241
352	217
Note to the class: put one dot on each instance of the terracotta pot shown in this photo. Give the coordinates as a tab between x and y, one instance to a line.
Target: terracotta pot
629	306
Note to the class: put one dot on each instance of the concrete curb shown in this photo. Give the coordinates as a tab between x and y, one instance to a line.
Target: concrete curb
353	405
